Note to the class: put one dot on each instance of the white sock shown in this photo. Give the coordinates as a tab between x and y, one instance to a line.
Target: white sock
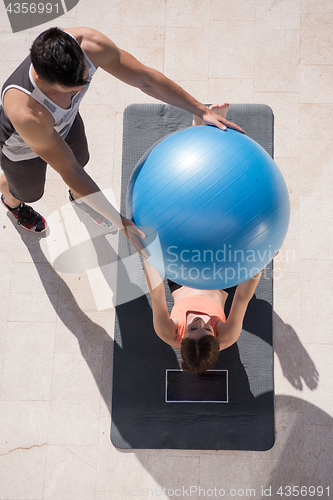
76	201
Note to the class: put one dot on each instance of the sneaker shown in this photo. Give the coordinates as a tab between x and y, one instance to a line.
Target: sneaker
27	217
99	219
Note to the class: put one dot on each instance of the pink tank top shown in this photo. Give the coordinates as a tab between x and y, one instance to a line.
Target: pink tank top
196	304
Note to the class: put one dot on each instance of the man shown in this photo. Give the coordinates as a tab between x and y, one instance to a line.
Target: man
40	124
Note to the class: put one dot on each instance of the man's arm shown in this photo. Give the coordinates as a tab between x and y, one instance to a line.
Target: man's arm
229	332
35	126
119	63
38	132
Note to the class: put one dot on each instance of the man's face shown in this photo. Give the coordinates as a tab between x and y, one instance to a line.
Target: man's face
67	90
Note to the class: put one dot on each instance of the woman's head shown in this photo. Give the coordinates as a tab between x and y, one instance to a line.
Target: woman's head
58	59
199	347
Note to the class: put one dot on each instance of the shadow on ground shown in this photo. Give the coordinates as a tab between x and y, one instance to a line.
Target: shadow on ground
303	452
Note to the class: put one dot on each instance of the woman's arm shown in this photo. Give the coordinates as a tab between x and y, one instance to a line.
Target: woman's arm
229	332
164	327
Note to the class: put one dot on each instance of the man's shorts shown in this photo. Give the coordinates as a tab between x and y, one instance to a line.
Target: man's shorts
26	178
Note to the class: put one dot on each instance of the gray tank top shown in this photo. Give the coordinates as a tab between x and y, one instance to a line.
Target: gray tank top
12	144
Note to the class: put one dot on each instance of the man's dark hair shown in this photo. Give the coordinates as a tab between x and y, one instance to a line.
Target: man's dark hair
199	355
58	58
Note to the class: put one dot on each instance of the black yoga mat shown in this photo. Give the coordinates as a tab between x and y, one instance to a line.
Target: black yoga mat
155	404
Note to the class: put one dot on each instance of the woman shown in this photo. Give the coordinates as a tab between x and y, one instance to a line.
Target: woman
197	323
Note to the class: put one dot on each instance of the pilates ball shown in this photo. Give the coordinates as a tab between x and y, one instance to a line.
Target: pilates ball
213	204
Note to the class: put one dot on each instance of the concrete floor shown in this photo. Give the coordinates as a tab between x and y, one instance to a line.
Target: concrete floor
56	322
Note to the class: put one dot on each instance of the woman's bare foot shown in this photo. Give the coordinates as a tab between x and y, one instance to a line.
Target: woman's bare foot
219	109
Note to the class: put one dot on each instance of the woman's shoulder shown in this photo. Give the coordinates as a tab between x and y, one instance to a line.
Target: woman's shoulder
167	332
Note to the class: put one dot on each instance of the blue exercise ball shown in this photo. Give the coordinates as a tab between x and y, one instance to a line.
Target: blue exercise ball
213	204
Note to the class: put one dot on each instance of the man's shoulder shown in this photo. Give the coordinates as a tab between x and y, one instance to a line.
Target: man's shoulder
84	35
95	44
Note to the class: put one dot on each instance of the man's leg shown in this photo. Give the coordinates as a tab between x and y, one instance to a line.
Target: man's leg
23	181
8	198
77	141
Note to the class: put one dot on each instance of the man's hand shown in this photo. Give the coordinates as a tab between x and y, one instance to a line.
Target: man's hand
211	118
133	234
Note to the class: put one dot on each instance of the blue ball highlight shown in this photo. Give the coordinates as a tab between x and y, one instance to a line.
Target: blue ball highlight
214	206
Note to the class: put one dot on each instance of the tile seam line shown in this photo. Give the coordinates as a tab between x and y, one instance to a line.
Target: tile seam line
23	448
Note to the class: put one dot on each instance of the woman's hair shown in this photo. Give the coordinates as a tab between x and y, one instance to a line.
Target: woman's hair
199	355
58	58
